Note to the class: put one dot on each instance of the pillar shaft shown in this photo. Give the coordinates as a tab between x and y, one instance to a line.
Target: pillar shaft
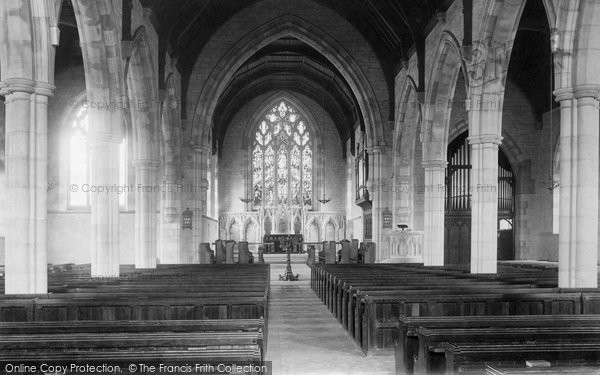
170	225
376	182
200	184
484	203
146	200
26	176
578	239
433	237
104	207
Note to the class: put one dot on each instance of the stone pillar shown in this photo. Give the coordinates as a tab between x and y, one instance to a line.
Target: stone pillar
169	243
26	182
104	207
433	241
146	198
484	203
578	238
200	185
376	182
403	202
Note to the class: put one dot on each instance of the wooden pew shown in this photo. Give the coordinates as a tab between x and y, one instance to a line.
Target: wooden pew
376	317
568	370
430	358
471	358
407	346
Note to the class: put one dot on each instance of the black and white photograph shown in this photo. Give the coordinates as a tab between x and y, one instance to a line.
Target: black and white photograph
299	187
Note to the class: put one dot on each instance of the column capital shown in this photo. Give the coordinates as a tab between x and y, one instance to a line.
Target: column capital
200	148
106	137
578	92
145	163
434	164
563	94
587	91
485	138
26	85
377	149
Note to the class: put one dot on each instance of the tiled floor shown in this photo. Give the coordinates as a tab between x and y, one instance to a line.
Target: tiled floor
305	338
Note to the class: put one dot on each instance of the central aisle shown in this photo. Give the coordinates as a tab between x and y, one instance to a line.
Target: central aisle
305	338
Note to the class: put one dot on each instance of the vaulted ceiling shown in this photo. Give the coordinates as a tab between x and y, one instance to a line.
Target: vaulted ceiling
393	28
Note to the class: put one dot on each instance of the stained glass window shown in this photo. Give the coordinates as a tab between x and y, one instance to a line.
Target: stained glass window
282	159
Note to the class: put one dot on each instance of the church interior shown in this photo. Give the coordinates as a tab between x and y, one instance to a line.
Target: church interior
300	186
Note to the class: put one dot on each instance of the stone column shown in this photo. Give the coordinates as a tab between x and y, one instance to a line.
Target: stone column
403	193
26	182
578	238
200	185
170	223
375	186
484	203
104	207
146	198
433	238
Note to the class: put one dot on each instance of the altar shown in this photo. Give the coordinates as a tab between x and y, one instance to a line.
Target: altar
275	243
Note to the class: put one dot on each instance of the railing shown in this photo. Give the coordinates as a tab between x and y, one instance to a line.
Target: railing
406	246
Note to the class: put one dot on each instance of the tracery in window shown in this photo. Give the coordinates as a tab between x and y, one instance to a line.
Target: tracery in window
79	161
282	159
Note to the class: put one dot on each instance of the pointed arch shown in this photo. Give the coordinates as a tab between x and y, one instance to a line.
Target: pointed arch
329	230
142	90
406	131
284	151
251	231
294	26
448	64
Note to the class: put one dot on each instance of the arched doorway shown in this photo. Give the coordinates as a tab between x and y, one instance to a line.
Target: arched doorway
457	241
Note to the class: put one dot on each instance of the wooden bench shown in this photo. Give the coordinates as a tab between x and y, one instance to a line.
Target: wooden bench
569	370
376	317
467	358
430	358
408	344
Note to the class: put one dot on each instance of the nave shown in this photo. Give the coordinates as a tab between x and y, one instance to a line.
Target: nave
336	319
304	338
143	141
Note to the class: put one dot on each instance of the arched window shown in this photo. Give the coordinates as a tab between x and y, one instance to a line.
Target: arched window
282	159
79	164
79	161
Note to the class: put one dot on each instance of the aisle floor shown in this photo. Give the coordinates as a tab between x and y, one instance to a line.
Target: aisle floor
305	338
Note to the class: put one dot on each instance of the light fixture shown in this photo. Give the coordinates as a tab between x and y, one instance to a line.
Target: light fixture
186	219
246	200
324	199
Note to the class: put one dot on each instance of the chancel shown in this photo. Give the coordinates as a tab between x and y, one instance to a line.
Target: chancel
300	186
